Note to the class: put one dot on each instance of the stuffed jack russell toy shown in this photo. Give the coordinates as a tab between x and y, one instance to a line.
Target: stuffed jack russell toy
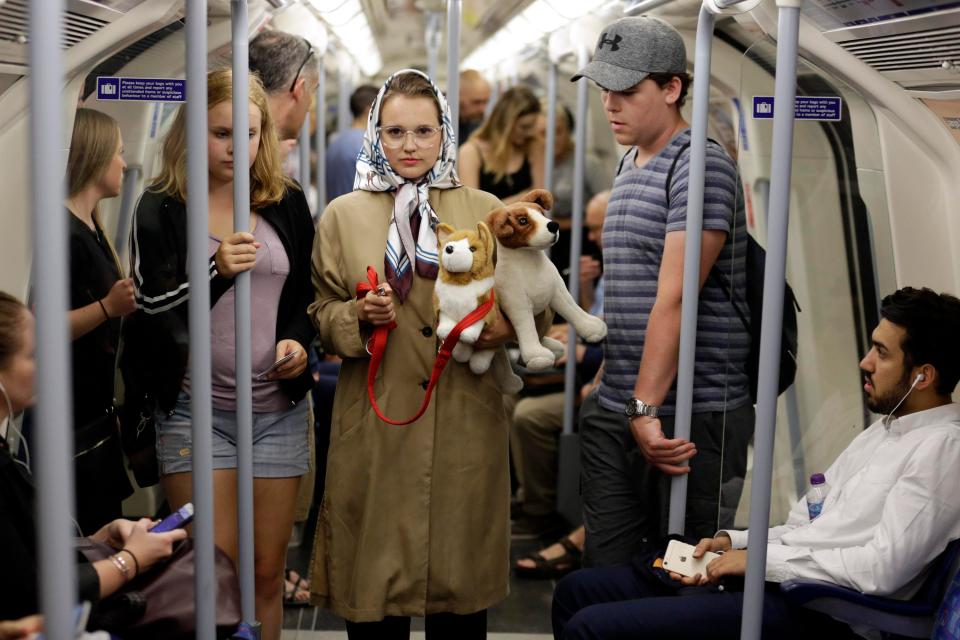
527	283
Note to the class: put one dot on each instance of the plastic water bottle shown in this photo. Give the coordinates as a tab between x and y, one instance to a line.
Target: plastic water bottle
816	494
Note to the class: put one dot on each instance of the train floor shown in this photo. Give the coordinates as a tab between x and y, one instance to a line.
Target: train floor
524	615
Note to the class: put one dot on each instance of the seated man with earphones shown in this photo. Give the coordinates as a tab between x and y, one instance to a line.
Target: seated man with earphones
892	508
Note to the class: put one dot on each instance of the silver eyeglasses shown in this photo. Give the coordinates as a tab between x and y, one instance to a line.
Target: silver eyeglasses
393	137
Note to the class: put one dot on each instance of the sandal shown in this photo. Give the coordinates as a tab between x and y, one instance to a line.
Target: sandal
296	590
554	568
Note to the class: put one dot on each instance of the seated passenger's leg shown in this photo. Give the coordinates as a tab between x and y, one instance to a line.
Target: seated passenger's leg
587	587
617	509
444	626
390	628
536	422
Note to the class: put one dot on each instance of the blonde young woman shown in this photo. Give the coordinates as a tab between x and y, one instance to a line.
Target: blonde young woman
276	249
415	519
99	297
505	155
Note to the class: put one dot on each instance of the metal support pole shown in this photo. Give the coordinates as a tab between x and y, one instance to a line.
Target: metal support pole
551	143
198	274
691	257
453	63
773	285
242	312
432	42
576	239
344	117
320	139
303	149
54	416
128	199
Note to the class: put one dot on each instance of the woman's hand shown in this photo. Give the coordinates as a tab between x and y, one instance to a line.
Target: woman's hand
292	367
236	254
116	533
377	308
495	334
149	548
22	628
120	301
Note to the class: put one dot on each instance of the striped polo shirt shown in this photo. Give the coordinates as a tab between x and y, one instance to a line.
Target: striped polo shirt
638	220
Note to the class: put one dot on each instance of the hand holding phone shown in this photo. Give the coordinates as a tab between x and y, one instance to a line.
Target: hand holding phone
276	365
679	559
179	518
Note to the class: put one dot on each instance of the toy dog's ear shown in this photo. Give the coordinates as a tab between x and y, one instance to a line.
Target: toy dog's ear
497	219
541	197
443	232
486	237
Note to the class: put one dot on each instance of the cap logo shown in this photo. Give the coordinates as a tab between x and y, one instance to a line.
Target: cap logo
614	44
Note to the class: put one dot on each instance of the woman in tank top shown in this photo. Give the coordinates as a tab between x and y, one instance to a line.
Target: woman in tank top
505	155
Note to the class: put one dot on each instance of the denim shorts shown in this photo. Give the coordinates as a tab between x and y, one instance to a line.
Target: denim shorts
280	440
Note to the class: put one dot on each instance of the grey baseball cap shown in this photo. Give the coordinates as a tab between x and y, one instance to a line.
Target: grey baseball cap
632	48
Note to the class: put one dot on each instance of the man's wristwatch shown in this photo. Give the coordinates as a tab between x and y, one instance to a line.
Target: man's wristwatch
635	408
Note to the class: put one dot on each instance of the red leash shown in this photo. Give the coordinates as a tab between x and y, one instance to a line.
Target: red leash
379	346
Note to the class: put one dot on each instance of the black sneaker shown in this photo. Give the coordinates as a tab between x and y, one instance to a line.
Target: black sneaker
528	527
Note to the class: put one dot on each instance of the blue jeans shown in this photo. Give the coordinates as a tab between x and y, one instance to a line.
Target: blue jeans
614	603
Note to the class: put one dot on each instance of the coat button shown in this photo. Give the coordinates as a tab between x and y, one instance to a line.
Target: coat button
426	332
425	384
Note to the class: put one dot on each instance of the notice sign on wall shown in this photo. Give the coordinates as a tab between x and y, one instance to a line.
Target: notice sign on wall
142	89
823	108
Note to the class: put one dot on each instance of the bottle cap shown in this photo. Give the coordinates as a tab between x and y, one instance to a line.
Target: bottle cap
817	478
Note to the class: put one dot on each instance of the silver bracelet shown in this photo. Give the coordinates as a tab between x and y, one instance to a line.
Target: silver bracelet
121	564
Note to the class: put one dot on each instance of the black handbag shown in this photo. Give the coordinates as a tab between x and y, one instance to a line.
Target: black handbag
138	438
159	604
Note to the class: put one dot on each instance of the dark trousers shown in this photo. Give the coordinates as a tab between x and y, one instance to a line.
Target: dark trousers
438	626
613	603
626	502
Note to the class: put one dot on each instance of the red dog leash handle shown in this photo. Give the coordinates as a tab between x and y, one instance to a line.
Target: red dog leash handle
379	347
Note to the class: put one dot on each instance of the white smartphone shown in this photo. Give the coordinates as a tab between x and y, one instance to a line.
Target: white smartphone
679	559
263	374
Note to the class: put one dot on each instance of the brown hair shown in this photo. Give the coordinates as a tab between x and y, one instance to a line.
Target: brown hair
95	139
663	79
267	180
411	85
11	324
514	104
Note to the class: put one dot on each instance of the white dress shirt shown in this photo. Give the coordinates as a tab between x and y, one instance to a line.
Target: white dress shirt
893	505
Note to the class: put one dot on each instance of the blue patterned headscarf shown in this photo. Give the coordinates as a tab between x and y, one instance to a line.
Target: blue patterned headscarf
412	236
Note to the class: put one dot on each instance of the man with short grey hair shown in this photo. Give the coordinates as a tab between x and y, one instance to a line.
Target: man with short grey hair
287	66
628	450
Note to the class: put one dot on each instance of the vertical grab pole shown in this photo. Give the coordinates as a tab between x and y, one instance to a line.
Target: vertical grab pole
320	138
773	285
344	117
198	274
691	257
54	431
576	237
453	63
551	142
242	311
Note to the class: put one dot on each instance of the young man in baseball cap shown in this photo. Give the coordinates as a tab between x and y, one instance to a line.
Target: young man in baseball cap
640	66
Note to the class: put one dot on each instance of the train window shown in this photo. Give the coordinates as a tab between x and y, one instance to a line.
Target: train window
839	263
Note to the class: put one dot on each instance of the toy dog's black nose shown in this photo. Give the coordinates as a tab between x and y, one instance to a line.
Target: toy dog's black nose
448	248
552	226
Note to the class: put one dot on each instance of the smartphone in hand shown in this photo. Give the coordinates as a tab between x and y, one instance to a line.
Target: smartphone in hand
276	365
679	559
179	518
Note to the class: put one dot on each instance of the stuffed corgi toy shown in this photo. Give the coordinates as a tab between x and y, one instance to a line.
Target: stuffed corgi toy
527	283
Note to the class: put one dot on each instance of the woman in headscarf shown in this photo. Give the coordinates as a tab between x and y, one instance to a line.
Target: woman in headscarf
415	519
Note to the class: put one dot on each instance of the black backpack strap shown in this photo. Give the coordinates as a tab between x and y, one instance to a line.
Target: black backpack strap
623	159
715	273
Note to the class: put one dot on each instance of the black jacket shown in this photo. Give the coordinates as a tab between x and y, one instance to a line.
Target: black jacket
156	342
20	579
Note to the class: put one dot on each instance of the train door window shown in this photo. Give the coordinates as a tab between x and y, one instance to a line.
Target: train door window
839	263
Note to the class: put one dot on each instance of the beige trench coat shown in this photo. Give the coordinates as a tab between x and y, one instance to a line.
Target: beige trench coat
415	519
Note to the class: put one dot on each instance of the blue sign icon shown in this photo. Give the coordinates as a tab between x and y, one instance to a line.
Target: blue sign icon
142	89
820	108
